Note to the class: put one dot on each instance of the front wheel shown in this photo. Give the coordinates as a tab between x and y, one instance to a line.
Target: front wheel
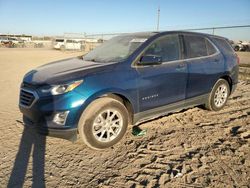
218	96
103	123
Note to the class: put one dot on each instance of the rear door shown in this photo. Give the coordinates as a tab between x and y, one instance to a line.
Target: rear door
204	63
164	83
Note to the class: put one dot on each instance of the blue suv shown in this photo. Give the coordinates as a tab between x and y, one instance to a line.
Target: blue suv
127	80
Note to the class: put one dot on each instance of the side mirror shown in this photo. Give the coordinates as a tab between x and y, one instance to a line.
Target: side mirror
150	60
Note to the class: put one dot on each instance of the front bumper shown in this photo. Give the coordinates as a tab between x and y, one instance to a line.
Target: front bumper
65	133
40	113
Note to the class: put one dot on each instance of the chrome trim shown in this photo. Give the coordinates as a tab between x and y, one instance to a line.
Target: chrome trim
179	61
211	42
203	57
135	65
28	91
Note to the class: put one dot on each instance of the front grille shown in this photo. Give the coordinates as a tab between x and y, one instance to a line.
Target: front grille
28	86
27	98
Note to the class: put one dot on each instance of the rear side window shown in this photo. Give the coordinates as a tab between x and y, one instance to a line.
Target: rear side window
168	47
224	46
197	46
210	48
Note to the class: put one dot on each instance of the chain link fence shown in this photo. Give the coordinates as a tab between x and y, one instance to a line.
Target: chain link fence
240	34
235	33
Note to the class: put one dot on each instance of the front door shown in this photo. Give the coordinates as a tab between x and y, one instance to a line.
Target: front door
165	83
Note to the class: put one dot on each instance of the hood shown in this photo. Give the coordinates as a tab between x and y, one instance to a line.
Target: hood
63	71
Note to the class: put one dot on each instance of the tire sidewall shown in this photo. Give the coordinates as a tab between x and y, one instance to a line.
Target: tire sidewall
236	48
212	103
86	124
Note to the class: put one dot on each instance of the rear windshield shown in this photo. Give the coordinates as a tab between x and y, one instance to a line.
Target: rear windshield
197	46
224	45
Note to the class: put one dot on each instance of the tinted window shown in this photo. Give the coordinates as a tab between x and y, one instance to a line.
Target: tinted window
195	46
224	45
167	47
210	48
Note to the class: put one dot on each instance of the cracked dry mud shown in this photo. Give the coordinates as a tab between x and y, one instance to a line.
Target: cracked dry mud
192	148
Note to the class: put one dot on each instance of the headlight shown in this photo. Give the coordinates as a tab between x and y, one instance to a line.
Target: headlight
64	88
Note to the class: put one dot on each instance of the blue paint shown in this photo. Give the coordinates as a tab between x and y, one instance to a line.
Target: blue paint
145	88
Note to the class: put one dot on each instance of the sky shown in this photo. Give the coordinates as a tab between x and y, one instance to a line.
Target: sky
56	17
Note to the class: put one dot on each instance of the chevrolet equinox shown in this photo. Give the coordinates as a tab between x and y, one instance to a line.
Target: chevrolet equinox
127	80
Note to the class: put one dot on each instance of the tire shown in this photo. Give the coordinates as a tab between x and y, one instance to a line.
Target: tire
219	95
62	48
247	48
82	48
236	48
94	131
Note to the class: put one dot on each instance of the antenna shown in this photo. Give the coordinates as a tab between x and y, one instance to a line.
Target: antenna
158	18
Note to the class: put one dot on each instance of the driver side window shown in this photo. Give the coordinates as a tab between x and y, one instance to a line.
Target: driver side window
167	47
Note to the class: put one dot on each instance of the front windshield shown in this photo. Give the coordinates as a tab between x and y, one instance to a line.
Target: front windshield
116	49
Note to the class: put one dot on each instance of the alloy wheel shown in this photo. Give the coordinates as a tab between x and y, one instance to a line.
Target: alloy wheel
107	125
220	95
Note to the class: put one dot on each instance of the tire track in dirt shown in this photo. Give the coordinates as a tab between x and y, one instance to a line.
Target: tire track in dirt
192	148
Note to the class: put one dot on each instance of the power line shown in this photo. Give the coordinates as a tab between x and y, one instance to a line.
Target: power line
223	27
189	29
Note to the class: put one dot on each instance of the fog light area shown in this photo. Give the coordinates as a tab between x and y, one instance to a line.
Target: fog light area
60	117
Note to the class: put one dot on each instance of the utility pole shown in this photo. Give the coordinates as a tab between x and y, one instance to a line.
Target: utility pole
158	19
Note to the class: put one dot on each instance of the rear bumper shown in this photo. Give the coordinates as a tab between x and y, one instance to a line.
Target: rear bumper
64	133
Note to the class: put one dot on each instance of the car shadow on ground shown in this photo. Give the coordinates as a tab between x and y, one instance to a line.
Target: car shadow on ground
31	144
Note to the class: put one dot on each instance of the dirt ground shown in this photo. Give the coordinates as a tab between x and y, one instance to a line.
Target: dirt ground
192	148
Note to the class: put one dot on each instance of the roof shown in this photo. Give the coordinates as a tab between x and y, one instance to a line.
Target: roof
149	34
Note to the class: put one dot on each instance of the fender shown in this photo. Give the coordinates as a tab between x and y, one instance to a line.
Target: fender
102	93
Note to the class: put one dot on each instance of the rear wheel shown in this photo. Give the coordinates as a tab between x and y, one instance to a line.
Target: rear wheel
218	96
62	48
103	123
247	48
236	48
82	48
